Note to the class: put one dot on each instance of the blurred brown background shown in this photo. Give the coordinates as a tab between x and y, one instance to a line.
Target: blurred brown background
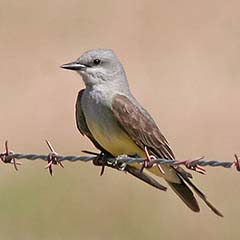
182	61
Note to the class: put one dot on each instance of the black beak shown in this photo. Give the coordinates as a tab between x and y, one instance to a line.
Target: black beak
74	66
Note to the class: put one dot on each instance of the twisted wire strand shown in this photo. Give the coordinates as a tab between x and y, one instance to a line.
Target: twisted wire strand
117	160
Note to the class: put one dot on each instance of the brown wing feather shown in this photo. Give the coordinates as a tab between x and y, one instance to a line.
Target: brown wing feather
141	127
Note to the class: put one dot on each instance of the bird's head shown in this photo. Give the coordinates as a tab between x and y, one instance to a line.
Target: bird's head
97	67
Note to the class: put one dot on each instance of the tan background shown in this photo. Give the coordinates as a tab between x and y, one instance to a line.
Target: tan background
182	60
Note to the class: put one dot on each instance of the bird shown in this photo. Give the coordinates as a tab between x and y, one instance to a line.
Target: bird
116	123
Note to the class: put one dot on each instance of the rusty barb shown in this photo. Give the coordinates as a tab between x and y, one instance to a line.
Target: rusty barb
8	157
53	158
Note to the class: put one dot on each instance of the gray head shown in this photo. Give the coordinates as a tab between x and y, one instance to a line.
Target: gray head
99	67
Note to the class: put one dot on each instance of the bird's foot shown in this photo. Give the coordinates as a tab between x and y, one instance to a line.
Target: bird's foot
101	160
191	164
148	163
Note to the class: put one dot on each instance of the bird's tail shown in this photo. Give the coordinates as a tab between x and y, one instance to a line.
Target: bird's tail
186	195
184	192
179	181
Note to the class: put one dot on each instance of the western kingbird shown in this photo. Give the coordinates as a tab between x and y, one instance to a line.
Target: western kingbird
109	115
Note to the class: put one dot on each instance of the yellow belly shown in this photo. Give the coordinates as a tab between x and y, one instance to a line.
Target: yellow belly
117	142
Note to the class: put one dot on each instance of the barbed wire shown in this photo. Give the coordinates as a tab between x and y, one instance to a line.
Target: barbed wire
119	162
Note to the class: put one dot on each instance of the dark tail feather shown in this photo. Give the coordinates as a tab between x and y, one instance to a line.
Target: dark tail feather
201	195
185	193
144	177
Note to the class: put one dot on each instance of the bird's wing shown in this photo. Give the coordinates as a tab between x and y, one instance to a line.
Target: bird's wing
140	127
82	124
138	173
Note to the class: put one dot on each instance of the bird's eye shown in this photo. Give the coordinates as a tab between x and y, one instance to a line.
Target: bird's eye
96	61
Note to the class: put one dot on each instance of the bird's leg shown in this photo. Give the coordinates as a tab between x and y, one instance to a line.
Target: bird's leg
147	162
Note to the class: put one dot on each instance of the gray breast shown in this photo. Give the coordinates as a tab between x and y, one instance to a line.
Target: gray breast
97	110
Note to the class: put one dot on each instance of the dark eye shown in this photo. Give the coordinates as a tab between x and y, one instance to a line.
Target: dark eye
96	61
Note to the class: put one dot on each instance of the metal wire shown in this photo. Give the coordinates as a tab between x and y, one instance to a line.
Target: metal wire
119	162
120	159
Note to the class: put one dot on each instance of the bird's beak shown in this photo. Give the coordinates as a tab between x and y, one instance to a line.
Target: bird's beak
74	66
